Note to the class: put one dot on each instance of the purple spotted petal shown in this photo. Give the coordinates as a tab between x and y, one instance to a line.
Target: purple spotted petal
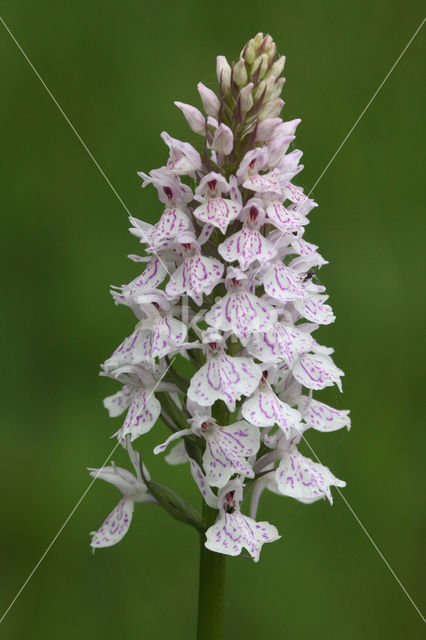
269	183
242	313
315	309
151	278
141	416
119	402
322	417
280	344
218	211
303	479
197	275
317	371
246	246
265	409
285	219
224	378
115	526
226	451
234	531
282	283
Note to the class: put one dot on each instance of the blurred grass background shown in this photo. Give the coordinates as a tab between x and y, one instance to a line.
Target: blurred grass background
116	68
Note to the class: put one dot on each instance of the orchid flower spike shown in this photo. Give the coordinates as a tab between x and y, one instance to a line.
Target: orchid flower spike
226	300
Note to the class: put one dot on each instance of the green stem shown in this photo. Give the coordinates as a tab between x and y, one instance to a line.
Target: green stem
211	593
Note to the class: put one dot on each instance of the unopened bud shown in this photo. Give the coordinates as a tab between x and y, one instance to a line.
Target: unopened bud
211	104
245	99
249	52
260	88
257	40
277	68
223	141
271	109
267	129
223	72
240	73
194	118
277	88
260	65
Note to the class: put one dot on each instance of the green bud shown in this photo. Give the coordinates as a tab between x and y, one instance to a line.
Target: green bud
277	68
249	52
245	99
262	63
240	73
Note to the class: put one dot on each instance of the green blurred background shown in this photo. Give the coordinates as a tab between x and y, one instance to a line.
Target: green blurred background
116	67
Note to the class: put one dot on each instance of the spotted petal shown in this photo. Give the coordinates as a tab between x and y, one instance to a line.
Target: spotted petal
234	531
268	183
172	222
119	402
285	219
246	246
151	278
197	275
315	309
317	371
282	283
279	343
224	378
226	451
115	526
265	409
322	417
218	211
303	479
142	415
242	313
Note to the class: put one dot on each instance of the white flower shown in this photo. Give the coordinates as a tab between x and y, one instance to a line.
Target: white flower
233	531
118	522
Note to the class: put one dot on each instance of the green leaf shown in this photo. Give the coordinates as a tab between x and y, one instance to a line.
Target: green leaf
174	504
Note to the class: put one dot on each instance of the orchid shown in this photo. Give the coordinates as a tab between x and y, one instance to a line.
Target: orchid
222	354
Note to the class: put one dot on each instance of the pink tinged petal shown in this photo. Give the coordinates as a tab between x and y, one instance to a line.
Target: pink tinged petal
218	211
268	183
197	275
223	141
317	371
226	451
294	194
151	278
285	219
184	159
166	335
194	118
282	283
234	531
205	234
172	222
246	246
321	417
224	378
200	480
141	416
280	343
115	526
242	313
315	310
307	481
119	402
265	409
211	104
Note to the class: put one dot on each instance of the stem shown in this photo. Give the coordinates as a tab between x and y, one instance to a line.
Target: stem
211	600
